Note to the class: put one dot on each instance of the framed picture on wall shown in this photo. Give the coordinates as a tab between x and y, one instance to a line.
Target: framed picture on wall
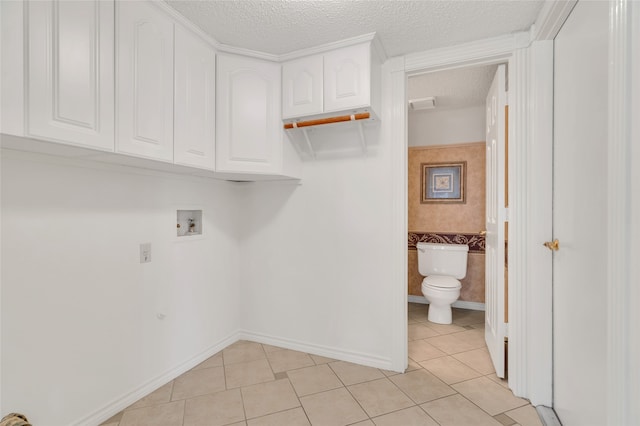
443	182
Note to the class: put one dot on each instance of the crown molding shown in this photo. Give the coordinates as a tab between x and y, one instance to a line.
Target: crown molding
551	18
487	51
177	16
247	52
370	37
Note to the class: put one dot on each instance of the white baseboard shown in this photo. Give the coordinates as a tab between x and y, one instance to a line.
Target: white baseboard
325	351
462	304
119	404
547	416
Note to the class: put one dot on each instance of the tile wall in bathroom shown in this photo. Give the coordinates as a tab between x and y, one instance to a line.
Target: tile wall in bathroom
465	218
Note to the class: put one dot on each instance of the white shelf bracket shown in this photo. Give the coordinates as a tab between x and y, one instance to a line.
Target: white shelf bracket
363	140
306	138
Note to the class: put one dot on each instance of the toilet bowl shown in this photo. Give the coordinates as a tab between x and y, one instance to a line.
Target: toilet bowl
441	292
443	265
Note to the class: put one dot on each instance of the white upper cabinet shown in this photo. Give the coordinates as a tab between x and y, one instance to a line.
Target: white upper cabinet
70	69
194	114
344	80
302	87
249	135
347	78
145	80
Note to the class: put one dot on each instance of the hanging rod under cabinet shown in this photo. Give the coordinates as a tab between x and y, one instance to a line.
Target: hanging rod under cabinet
329	120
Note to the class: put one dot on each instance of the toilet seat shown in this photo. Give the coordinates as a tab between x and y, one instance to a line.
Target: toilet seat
442	282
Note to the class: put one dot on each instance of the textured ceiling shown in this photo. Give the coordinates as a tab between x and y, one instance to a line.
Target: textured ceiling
459	88
403	26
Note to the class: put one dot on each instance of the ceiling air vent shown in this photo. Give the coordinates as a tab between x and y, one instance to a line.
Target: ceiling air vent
423	103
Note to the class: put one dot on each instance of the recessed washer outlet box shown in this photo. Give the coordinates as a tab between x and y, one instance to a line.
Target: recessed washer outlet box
189	223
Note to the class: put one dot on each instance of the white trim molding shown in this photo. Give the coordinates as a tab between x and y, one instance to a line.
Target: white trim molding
530	135
551	18
623	345
523	62
462	304
531	223
120	403
488	51
395	129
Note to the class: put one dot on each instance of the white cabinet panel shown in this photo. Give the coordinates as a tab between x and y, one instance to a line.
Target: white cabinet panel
194	113
248	129
302	87
347	78
145	81
70	72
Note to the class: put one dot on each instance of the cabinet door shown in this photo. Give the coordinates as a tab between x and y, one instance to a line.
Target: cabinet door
145	81
194	111
249	135
302	87
347	78
70	72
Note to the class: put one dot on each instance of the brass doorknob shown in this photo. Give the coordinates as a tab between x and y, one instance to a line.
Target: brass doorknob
553	245
482	233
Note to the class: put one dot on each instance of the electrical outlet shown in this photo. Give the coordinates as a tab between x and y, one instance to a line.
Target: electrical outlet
145	253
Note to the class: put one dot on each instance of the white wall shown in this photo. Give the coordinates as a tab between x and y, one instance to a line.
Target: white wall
318	274
79	312
433	127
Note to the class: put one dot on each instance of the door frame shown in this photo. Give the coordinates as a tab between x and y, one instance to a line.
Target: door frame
529	57
623	321
525	379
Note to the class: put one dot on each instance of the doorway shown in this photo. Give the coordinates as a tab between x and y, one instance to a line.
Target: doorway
450	120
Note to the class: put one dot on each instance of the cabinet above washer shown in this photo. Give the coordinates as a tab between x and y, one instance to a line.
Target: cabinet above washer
337	82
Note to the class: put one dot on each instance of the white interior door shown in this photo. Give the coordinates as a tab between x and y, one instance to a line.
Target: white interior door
579	216
495	329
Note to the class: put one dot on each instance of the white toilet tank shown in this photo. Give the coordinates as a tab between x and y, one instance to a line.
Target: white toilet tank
442	259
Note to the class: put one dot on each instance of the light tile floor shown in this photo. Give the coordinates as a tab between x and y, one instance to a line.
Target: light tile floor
450	382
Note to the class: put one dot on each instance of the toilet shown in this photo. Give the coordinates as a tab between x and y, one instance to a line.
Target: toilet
442	265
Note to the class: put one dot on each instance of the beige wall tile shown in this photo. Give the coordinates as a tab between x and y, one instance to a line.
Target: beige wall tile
449	218
468	217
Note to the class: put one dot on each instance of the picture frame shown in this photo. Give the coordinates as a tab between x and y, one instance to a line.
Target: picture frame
443	183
